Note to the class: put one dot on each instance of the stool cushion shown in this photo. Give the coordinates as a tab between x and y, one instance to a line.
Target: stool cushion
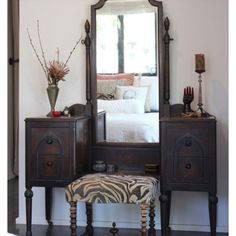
105	188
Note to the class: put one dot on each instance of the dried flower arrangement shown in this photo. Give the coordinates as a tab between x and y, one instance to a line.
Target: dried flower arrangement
54	70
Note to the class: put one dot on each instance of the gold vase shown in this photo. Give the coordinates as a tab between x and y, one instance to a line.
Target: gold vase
52	91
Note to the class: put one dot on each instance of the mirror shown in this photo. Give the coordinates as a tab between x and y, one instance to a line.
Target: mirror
126	71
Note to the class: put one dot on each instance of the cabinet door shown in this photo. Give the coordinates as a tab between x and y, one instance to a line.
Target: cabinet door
187	153
51	156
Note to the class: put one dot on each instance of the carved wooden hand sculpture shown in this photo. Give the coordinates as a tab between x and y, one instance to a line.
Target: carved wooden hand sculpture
188	98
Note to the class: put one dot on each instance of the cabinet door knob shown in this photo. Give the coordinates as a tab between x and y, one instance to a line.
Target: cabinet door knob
49	163
188	166
49	140
188	142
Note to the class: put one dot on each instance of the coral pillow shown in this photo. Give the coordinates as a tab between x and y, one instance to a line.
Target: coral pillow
129	77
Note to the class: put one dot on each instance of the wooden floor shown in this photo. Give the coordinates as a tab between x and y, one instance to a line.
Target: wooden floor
39	230
43	230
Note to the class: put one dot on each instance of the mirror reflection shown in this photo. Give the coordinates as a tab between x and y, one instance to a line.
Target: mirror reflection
127	71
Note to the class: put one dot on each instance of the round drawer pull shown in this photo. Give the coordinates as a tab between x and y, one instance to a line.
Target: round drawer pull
188	142
49	163
188	166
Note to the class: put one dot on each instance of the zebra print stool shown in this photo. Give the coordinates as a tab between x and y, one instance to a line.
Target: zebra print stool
105	188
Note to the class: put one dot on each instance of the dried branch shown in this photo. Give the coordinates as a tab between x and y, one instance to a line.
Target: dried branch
54	70
41	47
71	52
58	55
41	63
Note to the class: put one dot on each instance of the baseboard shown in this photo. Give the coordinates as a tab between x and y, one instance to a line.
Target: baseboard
127	225
199	228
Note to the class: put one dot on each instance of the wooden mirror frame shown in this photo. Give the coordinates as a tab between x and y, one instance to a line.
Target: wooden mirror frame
128	157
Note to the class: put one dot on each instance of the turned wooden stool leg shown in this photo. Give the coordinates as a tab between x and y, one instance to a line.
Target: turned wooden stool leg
143	208
152	231
73	210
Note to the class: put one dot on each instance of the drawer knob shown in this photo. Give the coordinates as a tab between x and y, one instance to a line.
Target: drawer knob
49	140
49	163
188	166
188	142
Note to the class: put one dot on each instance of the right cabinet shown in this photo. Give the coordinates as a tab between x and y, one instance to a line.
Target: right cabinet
188	162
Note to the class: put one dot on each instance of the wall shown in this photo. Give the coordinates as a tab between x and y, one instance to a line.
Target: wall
197	27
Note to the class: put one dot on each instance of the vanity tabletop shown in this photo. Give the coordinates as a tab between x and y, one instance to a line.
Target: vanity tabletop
58	119
188	119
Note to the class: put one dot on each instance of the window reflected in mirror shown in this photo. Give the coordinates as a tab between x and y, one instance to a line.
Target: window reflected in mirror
130	44
127	70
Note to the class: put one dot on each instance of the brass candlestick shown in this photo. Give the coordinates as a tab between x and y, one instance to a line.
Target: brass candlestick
200	68
200	94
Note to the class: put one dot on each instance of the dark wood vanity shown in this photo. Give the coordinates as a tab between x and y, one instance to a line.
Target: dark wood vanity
58	150
188	162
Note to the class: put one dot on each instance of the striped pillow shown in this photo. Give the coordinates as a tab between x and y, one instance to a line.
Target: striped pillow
128	76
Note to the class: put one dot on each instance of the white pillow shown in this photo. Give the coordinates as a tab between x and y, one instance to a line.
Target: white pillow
133	106
153	82
134	92
148	97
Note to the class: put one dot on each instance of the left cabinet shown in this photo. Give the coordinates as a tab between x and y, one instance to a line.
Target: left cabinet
57	152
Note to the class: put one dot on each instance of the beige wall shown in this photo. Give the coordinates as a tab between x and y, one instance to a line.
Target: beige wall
197	27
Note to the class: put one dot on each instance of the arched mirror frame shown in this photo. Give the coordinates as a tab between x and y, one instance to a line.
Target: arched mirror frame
128	156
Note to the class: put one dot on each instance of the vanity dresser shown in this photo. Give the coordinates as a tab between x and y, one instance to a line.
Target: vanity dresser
188	162
57	152
185	152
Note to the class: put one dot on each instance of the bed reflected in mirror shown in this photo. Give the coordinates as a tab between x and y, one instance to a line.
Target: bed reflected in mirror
127	70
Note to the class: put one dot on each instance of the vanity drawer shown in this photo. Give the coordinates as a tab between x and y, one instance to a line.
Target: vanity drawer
188	140
56	150
50	147
188	153
49	166
188	170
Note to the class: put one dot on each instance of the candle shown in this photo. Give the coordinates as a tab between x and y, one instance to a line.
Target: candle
200	63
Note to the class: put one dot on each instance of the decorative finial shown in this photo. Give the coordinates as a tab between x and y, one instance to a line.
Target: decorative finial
114	230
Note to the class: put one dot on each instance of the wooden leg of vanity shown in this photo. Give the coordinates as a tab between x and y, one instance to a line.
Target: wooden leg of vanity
212	200
28	197
168	210
89	214
73	213
151	230
48	204
164	213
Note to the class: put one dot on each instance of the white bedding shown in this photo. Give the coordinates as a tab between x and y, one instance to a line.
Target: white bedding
140	128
